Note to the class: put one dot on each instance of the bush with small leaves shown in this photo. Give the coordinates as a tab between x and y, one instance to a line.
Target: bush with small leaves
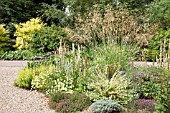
69	102
106	106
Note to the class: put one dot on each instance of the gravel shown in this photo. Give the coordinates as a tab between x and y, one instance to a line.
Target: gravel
17	100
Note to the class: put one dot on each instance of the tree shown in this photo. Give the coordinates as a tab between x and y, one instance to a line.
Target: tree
136	7
159	12
16	11
82	6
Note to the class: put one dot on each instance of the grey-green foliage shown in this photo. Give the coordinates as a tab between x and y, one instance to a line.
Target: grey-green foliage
106	106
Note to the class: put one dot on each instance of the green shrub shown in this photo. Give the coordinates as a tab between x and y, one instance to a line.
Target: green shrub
106	106
159	12
44	78
25	78
5	41
47	39
69	102
24	32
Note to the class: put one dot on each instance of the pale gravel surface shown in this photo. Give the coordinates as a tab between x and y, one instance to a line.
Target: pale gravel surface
17	100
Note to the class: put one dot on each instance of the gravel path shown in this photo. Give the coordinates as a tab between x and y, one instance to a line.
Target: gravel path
17	100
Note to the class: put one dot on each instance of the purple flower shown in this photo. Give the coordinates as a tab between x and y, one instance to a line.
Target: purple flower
137	52
137	76
142	73
143	55
128	49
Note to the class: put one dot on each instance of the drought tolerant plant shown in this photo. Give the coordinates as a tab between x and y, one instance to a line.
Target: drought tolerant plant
106	106
145	105
42	80
154	82
110	24
64	102
24	32
115	89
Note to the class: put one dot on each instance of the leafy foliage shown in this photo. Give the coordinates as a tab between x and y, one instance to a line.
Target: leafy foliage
5	42
154	44
159	12
115	89
16	11
83	6
24	32
51	14
138	7
25	78
48	38
17	55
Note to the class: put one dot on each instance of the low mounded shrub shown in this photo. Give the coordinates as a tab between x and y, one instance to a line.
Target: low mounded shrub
106	106
25	78
69	102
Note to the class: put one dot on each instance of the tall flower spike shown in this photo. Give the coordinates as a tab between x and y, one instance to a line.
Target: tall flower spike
160	55
169	55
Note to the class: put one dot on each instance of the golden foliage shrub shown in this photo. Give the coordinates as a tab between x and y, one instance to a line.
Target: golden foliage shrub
25	30
4	39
